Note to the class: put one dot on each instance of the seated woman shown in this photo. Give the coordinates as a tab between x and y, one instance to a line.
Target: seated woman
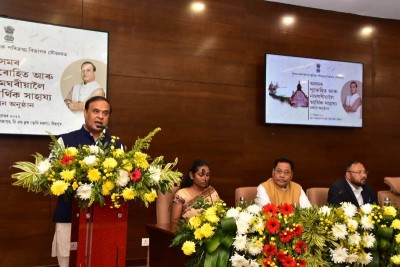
194	184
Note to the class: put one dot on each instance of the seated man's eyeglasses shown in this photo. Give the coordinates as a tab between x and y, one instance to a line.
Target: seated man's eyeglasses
360	172
279	171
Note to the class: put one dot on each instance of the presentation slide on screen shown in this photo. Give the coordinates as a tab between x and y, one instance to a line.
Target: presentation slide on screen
40	67
309	91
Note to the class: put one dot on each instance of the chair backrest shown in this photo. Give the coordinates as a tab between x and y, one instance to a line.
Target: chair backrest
393	194
318	195
163	205
249	193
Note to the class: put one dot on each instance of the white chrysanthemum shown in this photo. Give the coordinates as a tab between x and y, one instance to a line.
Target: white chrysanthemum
123	178
366	208
44	166
90	160
245	216
155	174
240	242
354	239
325	210
339	255
84	191
254	209
352	224
258	225
368	240
253	263
238	261
94	149
352	258
349	209
366	223
242	226
232	213
365	258
339	230
255	247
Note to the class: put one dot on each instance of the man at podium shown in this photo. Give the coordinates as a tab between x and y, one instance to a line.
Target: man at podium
97	112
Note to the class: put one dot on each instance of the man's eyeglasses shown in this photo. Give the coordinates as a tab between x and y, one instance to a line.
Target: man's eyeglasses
286	173
360	172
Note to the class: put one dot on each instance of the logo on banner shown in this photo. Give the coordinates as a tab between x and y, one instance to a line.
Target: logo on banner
9	33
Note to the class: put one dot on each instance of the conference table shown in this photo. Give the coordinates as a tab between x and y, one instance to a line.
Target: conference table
160	252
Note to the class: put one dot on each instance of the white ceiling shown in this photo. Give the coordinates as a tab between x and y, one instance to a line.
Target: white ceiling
387	9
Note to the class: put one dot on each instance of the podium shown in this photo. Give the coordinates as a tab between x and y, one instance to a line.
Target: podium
98	235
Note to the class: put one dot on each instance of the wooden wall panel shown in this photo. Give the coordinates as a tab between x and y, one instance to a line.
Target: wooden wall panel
200	77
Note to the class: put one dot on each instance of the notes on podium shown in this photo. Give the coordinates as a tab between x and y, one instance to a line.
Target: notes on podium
98	236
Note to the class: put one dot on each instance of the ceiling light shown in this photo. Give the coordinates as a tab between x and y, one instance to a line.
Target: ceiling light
288	20
197	6
366	31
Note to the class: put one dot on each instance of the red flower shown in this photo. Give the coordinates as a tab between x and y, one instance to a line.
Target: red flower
286	209
273	225
66	160
136	175
300	247
285	236
297	230
281	255
288	261
268	262
270	209
270	249
301	263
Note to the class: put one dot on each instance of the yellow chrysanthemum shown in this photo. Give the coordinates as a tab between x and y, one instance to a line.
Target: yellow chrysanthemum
188	248
128	193
126	165
71	151
207	230
107	187
212	218
150	197
140	160
58	188
110	163
75	185
389	210
118	153
194	222
67	175
94	175
396	259
397	238
198	234
396	224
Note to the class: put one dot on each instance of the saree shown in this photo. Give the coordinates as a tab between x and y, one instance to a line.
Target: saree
187	200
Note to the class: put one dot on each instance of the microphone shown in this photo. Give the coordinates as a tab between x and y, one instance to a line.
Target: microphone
203	172
101	126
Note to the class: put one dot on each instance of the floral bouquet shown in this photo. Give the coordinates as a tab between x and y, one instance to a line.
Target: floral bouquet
207	238
388	235
92	172
351	233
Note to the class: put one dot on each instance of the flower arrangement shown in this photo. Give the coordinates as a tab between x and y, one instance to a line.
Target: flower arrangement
388	235
207	237
291	237
92	172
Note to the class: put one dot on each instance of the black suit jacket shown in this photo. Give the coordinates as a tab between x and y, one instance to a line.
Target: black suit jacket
342	192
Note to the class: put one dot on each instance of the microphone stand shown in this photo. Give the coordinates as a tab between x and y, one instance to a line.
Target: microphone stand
203	172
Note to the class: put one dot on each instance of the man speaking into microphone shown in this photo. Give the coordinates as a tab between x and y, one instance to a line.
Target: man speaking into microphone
97	112
353	188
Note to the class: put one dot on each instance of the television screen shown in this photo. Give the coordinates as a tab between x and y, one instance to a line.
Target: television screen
47	72
309	91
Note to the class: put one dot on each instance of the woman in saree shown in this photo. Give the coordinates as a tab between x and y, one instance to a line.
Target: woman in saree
195	184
